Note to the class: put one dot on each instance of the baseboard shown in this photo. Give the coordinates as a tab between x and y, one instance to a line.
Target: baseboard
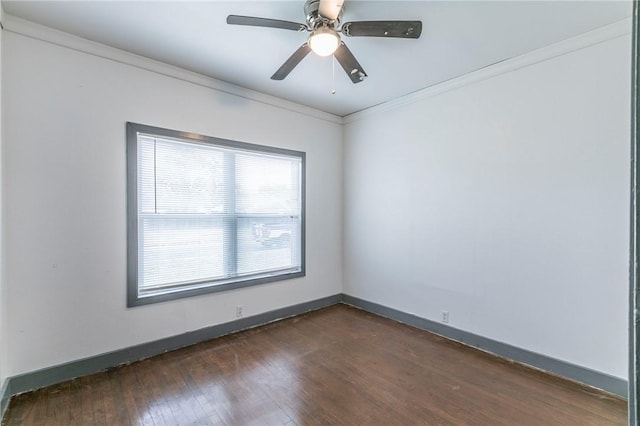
5	395
60	373
584	375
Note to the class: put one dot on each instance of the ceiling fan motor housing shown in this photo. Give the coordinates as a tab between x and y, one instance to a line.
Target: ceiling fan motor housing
315	20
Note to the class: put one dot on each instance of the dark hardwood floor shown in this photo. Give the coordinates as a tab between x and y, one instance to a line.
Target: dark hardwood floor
333	366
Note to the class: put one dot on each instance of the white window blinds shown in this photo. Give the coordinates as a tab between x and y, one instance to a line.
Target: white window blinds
212	215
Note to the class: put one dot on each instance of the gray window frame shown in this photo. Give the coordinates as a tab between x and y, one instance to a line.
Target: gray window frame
133	297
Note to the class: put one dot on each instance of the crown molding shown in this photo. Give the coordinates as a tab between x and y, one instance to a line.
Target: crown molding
49	35
599	35
60	38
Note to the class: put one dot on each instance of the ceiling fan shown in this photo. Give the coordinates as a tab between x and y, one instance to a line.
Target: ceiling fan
323	20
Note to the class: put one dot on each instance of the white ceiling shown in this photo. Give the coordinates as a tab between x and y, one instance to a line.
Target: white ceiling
458	37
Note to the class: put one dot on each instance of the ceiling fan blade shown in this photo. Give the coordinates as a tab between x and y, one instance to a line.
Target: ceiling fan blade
349	63
291	63
398	29
265	22
330	9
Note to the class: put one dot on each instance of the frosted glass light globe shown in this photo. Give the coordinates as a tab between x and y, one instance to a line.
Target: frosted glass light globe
324	41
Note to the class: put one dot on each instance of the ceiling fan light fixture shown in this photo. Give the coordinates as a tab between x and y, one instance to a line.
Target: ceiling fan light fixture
324	41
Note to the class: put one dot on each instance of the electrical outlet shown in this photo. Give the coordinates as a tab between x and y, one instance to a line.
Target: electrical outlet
239	311
444	316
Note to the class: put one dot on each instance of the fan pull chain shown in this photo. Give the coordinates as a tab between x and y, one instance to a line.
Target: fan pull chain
333	75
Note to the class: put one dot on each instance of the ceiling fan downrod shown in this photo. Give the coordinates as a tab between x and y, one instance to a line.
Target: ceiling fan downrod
315	19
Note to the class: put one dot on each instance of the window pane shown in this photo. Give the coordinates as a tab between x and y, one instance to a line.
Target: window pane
267	185
146	175
175	250
189	178
268	244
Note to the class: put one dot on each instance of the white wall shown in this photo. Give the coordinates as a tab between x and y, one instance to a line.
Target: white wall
504	202
64	200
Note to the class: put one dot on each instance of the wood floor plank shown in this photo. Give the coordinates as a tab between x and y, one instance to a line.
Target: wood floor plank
335	366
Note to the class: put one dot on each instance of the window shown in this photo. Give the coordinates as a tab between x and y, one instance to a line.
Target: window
208	214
